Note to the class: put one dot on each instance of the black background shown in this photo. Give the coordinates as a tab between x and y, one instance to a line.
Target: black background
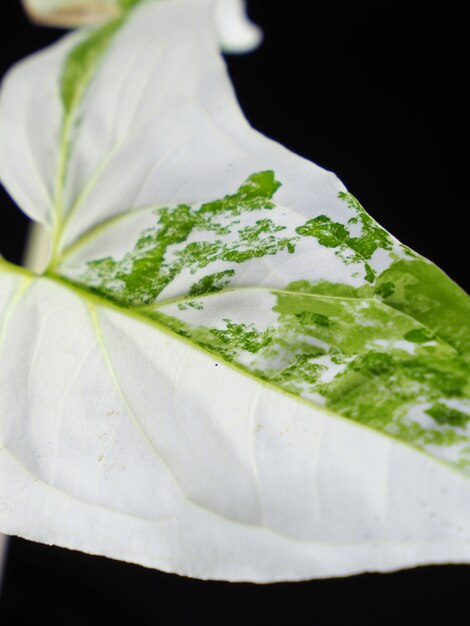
373	92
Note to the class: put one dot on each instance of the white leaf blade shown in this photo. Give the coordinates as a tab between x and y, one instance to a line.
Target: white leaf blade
294	530
30	133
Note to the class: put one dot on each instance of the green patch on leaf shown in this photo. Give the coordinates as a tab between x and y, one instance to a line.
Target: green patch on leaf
350	248
191	238
419	335
243	336
360	357
374	353
318	319
82	61
385	289
212	283
424	292
444	414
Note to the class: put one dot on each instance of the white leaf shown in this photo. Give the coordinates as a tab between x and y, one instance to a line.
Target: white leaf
217	376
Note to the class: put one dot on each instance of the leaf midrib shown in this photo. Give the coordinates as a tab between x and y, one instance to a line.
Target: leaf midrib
138	312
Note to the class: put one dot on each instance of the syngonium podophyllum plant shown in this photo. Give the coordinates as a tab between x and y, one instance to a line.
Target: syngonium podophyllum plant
227	369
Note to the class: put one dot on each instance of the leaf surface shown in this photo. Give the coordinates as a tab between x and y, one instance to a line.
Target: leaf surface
228	370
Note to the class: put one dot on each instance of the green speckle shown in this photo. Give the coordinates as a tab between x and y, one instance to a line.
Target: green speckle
243	336
255	193
212	283
419	335
444	414
258	241
372	364
192	304
329	233
385	289
337	356
302	373
309	317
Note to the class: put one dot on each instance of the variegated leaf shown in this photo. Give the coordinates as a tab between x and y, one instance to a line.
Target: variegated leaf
228	369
